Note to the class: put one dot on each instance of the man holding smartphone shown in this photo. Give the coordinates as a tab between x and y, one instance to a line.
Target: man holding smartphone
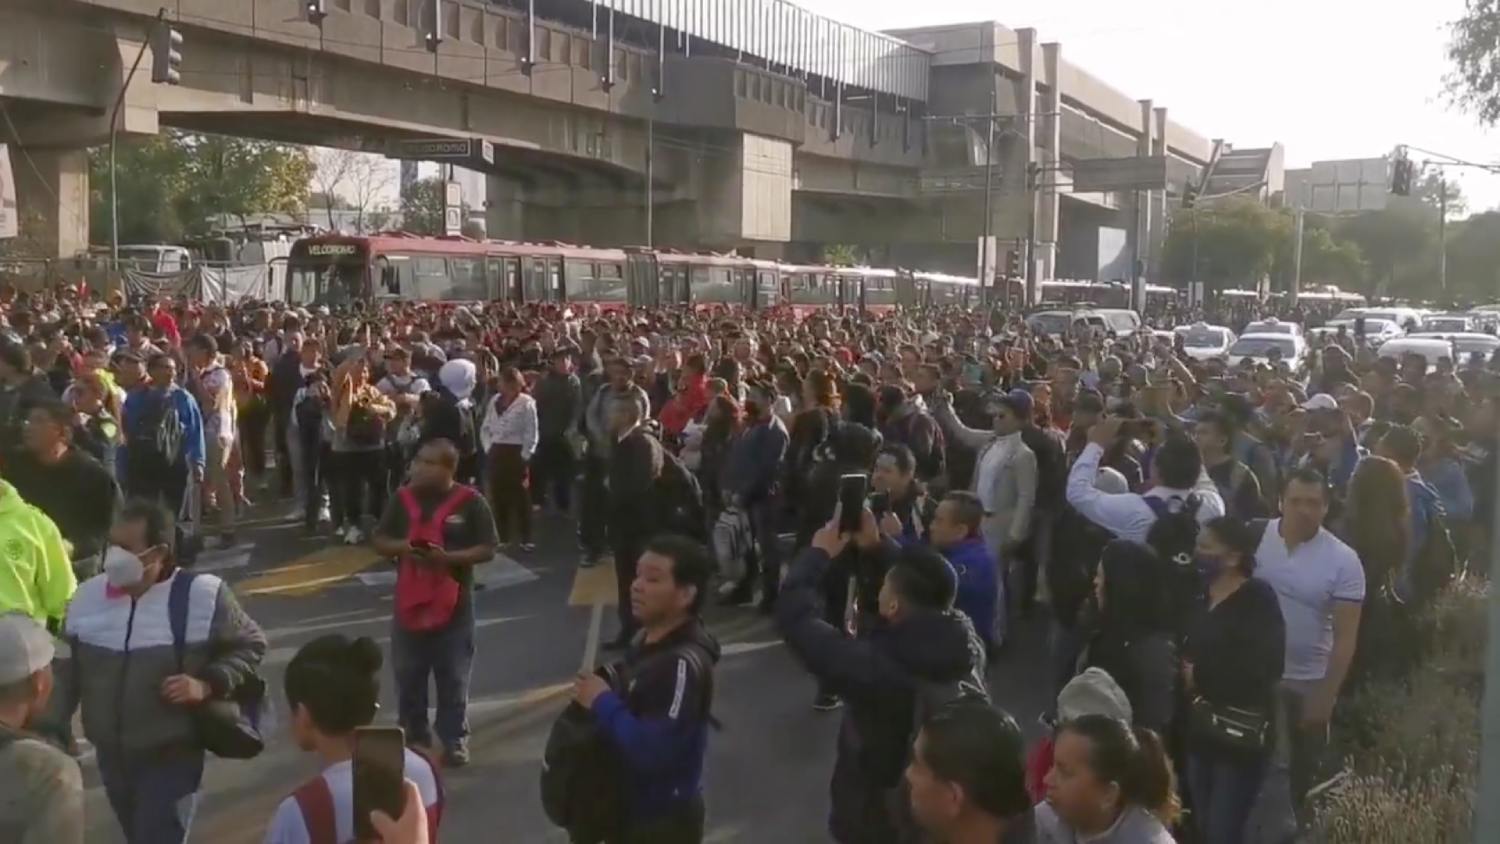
445	650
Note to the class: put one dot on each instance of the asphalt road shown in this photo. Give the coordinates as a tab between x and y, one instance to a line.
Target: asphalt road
767	771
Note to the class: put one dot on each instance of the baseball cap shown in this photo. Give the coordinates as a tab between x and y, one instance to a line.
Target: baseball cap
1322	401
1020	403
25	648
1093	692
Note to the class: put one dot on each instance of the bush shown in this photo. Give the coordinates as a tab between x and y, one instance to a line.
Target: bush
1411	744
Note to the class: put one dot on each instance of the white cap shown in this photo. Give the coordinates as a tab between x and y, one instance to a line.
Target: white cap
25	648
1322	401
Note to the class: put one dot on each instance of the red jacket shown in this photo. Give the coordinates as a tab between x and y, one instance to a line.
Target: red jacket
684	407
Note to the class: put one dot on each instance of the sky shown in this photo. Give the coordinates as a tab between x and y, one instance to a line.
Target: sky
1328	79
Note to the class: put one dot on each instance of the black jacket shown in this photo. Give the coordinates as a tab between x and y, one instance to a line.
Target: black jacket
284	382
634	464
559	401
877	676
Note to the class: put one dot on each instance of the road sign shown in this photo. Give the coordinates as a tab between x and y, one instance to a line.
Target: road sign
460	151
1092	175
453	208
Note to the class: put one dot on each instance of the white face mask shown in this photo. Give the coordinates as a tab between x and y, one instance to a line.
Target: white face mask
122	568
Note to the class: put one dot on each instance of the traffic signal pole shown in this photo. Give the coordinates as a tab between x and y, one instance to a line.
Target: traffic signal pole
114	133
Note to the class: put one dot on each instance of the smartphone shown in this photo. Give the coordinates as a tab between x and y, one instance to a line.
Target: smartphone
379	774
879	503
852	492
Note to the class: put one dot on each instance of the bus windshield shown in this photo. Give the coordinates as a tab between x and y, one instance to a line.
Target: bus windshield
326	274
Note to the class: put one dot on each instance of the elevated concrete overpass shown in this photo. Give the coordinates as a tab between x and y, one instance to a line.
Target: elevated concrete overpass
777	154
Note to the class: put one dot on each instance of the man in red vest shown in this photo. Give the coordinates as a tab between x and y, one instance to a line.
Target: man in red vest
438	530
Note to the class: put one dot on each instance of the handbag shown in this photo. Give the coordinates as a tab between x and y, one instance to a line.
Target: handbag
1228	727
227	727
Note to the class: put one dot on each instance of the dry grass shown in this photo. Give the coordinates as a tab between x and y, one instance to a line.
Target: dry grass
1412	744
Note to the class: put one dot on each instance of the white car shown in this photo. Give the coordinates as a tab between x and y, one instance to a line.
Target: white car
1402	316
1448	324
1431	348
1465	343
1258	348
1274	326
1201	341
1377	330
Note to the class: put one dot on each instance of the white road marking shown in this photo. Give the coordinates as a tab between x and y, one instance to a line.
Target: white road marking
499	572
223	559
283	655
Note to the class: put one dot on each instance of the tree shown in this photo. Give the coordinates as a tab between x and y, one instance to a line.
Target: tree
1474	50
358	179
841	255
172	184
1399	244
422	207
1474	258
1233	242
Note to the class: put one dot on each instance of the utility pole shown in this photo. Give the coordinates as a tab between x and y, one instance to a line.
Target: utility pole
650	173
1297	258
1443	232
984	244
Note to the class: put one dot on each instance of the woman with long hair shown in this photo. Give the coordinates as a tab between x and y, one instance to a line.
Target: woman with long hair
722	424
809	429
1375	522
1109	784
1132	637
1233	657
360	413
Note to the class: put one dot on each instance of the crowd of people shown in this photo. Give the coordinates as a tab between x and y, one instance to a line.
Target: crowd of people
1219	550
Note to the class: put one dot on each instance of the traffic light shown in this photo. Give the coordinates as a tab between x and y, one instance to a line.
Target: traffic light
166	55
317	10
1401	176
1013	263
1189	195
435	35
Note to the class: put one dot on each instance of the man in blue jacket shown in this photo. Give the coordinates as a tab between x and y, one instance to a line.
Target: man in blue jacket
657	713
151	475
1403	445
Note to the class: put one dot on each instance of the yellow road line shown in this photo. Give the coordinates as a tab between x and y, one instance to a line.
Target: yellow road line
312	573
594	587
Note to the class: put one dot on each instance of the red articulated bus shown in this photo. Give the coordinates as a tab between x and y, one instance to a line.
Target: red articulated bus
392	266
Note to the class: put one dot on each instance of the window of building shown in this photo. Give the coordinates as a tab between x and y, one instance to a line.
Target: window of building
543	44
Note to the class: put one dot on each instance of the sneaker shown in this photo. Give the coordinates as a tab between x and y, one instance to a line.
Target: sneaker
354	535
528	547
588	561
827	703
324	516
456	756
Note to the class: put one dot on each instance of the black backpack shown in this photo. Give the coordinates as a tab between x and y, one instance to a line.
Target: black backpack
1437	561
156	441
583	775
679	497
1174	537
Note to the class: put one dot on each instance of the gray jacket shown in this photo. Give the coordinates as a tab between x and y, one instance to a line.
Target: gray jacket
1013	496
122	650
596	419
1134	826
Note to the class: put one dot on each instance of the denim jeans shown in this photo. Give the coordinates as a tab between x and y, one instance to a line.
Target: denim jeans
1223	789
446	655
153	795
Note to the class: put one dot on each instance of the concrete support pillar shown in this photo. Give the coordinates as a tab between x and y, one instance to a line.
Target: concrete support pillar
1140	235
1019	180
52	198
1050	139
1159	220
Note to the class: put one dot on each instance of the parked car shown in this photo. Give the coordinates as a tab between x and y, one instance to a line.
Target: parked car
1433	348
1258	348
1448	323
1273	326
1376	330
1201	341
1065	322
1122	322
1465	343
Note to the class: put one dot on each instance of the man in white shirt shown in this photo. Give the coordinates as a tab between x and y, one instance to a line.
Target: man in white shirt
1321	587
1176	473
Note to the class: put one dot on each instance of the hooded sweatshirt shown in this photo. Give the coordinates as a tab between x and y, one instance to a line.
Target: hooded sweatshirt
660	721
36	577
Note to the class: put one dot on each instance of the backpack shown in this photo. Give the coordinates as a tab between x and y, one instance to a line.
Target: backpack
583	774
309	413
229	728
1174	537
156	441
679	499
1437	561
733	538
426	596
364	428
935	462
